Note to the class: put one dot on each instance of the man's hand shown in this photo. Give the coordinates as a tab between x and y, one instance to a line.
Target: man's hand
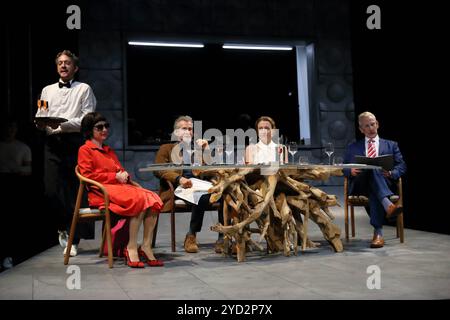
185	183
202	143
39	124
355	172
387	174
53	125
122	176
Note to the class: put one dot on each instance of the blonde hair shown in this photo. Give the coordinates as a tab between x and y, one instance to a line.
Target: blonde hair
265	118
365	114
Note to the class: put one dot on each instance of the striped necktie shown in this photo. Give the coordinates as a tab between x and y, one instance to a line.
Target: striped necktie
371	151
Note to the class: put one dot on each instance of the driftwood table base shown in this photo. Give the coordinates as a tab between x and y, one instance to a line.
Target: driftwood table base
280	203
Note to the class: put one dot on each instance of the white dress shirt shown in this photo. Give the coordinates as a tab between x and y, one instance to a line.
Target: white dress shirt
266	153
70	103
377	145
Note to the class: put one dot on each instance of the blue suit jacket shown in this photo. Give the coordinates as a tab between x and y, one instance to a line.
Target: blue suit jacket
386	147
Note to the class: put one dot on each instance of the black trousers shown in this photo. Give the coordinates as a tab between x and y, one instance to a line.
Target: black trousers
60	182
198	212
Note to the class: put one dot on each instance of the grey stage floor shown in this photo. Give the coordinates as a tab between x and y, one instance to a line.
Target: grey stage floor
417	269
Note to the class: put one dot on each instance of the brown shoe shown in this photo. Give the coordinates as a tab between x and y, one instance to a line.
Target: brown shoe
377	241
218	247
393	211
190	244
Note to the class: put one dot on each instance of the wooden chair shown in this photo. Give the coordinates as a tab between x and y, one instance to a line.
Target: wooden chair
360	201
81	214
177	205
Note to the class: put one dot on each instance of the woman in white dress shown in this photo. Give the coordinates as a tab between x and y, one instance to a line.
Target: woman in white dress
266	150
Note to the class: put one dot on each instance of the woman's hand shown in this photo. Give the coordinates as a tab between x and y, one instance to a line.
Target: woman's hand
122	176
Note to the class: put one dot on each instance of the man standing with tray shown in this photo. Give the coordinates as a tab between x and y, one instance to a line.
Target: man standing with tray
61	107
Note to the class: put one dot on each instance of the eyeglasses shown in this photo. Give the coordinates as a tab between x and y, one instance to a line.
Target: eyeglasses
102	126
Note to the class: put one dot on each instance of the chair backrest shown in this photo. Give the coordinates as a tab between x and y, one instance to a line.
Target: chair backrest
86	182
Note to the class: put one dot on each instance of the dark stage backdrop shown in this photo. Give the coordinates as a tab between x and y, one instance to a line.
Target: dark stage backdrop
31	35
398	74
216	85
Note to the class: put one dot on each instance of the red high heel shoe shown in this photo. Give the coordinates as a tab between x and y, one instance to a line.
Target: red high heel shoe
151	263
132	264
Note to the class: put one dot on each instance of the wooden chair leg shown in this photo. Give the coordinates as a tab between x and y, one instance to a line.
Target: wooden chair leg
155	231
352	218
400	227
108	239
346	207
172	230
397	232
100	253
346	220
73	228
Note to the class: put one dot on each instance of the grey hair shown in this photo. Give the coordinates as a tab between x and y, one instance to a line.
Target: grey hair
70	55
365	114
181	118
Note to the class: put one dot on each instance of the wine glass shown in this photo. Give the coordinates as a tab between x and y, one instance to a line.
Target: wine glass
292	148
197	157
329	150
189	152
230	156
229	150
218	156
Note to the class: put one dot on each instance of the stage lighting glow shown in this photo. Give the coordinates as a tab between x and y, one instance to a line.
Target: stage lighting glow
166	44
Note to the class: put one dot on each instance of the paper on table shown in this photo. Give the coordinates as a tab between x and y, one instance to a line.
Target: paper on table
193	194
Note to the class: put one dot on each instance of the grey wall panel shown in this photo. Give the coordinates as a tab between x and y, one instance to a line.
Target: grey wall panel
296	18
335	93
227	17
336	128
333	57
135	160
332	19
102	15
115	139
168	16
100	50
107	87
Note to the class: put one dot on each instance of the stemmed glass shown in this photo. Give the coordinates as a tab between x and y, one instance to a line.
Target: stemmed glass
229	150
329	150
189	152
218	156
230	157
292	148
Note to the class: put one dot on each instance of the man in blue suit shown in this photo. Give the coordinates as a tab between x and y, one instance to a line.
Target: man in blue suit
377	185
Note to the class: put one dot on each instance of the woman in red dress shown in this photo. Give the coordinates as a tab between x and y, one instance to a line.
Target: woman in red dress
99	162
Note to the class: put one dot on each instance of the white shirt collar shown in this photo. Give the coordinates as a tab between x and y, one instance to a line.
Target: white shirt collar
376	139
70	81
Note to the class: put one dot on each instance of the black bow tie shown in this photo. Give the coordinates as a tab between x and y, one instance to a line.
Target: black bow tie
67	84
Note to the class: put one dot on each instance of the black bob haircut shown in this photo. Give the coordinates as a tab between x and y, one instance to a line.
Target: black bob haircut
88	123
